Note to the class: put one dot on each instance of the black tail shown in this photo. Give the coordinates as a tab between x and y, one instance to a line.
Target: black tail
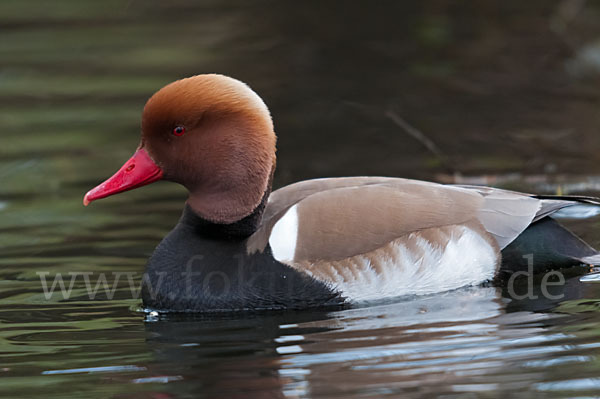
549	246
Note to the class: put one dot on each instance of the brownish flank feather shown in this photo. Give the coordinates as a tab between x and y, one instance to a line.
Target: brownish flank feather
351	269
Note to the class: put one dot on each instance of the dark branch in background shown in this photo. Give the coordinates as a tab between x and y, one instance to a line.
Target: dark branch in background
415	133
407	128
566	13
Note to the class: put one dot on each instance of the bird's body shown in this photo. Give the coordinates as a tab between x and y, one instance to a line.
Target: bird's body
317	242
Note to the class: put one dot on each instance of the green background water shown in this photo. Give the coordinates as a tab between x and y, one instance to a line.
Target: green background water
503	93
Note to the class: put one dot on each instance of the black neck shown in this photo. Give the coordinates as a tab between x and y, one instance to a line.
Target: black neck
241	229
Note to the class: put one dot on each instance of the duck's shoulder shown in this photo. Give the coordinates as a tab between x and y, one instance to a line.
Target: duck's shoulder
200	268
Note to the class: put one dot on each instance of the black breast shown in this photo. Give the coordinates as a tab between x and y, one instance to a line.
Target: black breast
202	266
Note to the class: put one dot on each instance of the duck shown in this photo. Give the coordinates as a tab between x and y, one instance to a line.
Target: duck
238	245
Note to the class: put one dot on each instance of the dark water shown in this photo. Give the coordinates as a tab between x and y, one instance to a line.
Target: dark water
503	93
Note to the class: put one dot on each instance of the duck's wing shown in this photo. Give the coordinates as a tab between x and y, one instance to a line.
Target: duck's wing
337	218
557	206
378	237
281	199
370	238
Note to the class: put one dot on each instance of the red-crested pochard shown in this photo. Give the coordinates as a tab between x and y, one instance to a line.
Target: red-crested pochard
318	242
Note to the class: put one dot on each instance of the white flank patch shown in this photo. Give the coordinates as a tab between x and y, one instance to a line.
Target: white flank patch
284	236
468	259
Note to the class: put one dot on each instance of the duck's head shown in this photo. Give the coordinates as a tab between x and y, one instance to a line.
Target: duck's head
213	135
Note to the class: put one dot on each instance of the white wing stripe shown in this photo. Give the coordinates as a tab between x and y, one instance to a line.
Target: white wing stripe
284	236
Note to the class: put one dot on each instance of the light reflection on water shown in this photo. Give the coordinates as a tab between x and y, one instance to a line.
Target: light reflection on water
511	107
453	343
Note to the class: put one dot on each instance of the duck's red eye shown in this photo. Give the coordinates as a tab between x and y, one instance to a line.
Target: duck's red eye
179	131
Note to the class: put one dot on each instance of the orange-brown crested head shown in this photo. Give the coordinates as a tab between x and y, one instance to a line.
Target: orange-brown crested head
214	135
